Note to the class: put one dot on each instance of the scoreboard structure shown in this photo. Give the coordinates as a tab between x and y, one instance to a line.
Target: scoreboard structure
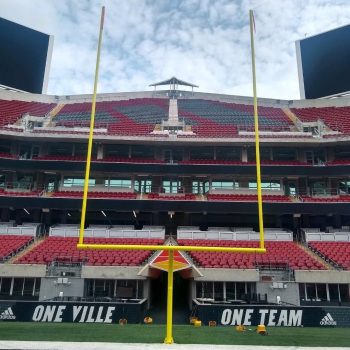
25	57
323	64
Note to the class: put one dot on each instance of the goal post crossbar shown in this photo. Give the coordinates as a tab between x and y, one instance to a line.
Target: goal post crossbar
171	248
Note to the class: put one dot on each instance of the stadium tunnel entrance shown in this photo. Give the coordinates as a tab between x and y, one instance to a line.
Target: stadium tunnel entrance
181	297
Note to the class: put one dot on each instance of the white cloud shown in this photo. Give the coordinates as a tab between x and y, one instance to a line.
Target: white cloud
202	41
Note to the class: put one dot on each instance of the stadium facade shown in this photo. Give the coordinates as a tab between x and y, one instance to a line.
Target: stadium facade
175	166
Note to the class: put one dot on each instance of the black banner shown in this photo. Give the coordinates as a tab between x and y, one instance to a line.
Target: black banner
225	315
71	312
279	316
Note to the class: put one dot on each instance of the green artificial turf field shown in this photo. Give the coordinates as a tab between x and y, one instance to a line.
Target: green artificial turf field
326	337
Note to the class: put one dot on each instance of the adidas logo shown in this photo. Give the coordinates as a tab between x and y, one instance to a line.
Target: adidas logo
7	314
328	321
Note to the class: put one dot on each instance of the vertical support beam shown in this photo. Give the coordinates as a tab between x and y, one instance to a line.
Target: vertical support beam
169	317
91	133
256	124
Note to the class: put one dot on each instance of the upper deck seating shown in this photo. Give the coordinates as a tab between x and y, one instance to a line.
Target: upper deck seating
19	193
237	162
246	198
339	162
128	117
219	119
339	252
64	158
278	254
11	244
336	118
110	159
95	194
114	159
11	111
328	199
65	249
7	155
170	197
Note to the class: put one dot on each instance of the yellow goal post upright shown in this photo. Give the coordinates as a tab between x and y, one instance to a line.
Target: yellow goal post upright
171	249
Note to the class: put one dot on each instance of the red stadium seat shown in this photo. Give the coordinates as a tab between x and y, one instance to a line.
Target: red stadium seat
59	248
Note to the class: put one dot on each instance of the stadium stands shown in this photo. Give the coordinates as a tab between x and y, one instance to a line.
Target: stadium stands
11	111
65	249
339	162
233	162
12	244
247	198
326	199
64	158
336	118
278	255
109	159
19	193
339	252
162	182
95	194
7	155
134	117
130	160
179	197
218	119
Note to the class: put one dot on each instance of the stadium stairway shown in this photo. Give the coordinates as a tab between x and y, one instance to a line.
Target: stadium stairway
295	120
26	250
53	113
298	123
308	251
173	112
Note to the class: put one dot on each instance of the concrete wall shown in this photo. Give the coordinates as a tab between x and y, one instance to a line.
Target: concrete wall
13	270
332	276
289	294
50	288
111	272
228	275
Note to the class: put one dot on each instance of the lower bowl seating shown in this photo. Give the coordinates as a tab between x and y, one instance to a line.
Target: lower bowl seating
11	244
279	254
65	249
339	252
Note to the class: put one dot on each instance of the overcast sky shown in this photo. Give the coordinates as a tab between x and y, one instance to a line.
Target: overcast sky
205	42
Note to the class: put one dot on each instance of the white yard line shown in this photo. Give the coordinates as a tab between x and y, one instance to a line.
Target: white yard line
44	345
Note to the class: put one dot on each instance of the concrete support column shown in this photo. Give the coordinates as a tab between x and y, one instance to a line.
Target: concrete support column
99	151
244	155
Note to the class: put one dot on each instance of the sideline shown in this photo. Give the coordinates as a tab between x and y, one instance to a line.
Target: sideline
44	345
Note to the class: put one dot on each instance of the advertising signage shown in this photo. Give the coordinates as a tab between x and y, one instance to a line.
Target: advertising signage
274	316
58	312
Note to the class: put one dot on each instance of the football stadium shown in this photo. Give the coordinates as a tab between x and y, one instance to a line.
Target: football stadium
126	216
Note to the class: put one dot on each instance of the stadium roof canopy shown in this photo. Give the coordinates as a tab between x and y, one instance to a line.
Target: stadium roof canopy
174	82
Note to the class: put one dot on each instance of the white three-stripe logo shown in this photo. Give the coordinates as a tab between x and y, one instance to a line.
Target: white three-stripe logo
328	320
8	314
